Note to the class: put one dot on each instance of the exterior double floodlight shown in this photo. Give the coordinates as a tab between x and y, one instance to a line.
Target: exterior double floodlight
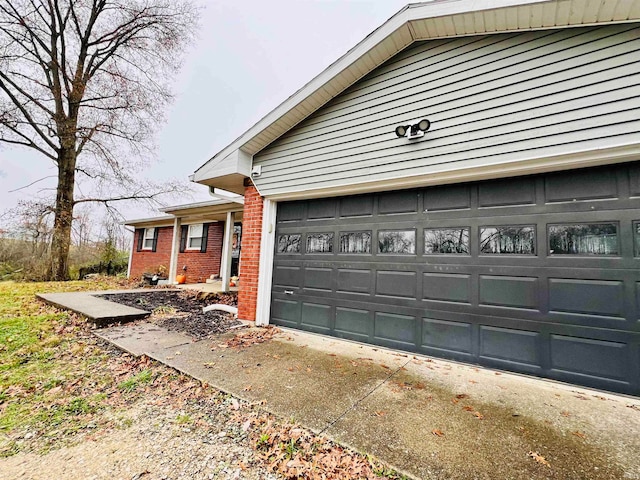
413	131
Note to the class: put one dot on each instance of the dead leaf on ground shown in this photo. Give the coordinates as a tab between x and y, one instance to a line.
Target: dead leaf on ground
437	432
539	458
468	408
384	366
579	434
478	415
208	364
247	388
455	401
462	395
379	413
564	413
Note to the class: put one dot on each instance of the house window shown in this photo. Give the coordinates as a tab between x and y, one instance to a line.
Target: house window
401	242
446	240
584	239
518	240
147	238
194	237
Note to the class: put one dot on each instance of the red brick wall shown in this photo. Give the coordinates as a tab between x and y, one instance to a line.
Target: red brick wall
147	261
250	254
199	265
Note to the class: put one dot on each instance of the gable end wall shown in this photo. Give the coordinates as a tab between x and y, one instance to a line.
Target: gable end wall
491	99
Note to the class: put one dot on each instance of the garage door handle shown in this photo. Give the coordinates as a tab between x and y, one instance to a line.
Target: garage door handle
288	292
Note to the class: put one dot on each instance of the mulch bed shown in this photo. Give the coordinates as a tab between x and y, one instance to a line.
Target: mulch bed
182	311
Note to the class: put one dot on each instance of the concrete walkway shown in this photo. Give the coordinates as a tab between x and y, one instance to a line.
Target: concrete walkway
99	311
429	418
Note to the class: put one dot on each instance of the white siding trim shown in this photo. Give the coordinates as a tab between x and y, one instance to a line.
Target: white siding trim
441	175
265	275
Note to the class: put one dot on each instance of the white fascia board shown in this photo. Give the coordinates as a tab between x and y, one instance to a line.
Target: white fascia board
190	206
444	174
160	221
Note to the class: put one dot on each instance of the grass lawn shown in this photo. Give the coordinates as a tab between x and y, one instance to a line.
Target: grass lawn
55	378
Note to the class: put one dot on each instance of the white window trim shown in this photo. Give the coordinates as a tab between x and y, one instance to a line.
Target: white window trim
145	237
189	236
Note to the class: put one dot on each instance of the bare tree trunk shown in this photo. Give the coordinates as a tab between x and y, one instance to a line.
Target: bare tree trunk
61	240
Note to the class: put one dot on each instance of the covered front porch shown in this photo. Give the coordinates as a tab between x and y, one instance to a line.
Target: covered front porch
194	244
229	213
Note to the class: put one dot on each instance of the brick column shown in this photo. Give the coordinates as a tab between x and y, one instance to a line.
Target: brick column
250	254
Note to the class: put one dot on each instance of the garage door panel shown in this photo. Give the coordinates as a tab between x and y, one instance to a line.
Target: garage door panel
449	287
518	292
590	357
318	278
397	202
353	323
454	197
317	317
287	276
321	209
572	314
395	329
594	297
591	184
356	281
396	284
455	337
286	312
507	192
510	345
357	206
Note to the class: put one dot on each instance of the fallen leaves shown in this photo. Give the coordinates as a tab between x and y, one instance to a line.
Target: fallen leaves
437	432
296	453
538	458
579	434
250	337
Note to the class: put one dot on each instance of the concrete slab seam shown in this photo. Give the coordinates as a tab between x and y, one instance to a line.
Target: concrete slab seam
360	400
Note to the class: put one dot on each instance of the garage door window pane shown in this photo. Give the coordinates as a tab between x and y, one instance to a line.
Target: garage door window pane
320	243
636	238
397	241
519	240
355	242
446	240
289	243
584	239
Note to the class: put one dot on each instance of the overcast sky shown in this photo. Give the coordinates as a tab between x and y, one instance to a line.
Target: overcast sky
250	56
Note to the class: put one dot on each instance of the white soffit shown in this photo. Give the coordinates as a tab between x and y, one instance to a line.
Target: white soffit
423	21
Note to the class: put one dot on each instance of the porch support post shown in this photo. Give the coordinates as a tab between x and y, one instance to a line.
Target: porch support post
175	248
267	246
227	251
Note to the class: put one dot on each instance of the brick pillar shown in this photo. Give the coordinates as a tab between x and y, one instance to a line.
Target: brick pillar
250	254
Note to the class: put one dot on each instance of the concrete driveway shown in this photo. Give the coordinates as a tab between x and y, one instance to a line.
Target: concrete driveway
430	418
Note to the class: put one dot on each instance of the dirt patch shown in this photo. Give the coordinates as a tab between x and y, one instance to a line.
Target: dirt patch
181	311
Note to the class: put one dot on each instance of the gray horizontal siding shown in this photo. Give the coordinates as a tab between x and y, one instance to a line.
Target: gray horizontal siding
490	99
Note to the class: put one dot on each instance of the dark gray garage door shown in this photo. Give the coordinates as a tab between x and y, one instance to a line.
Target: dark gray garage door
536	274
